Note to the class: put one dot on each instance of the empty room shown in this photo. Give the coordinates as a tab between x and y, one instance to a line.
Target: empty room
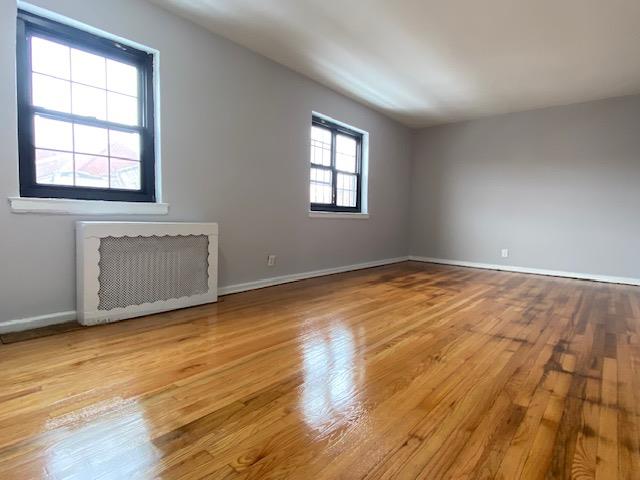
318	240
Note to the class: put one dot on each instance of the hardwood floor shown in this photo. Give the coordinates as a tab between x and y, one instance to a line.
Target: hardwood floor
406	371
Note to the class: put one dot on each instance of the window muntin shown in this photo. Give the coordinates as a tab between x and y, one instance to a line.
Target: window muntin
85	106
336	167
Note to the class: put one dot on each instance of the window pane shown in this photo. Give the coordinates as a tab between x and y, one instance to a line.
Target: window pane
50	58
346	145
89	101
320	193
53	134
88	68
54	168
122	78
321	175
88	139
123	109
346	190
125	174
51	93
346	153
321	185
92	171
124	145
320	146
84	114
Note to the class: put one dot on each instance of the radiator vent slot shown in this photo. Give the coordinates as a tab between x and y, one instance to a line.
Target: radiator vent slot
138	270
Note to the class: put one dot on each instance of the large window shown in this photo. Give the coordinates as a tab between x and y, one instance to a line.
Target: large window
336	167
85	115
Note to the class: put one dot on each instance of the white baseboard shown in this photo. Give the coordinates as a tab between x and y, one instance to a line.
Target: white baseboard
22	324
533	271
30	323
270	282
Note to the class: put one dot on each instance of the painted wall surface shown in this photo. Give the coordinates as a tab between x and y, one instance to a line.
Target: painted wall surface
558	187
235	150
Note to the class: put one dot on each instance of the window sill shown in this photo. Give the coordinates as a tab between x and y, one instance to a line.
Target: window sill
64	206
342	215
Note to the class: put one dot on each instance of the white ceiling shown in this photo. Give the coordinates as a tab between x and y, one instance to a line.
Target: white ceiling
425	62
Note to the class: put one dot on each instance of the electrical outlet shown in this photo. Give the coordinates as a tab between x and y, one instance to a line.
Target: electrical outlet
271	260
505	253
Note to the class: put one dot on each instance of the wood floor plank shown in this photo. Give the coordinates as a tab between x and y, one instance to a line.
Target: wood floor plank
398	372
607	460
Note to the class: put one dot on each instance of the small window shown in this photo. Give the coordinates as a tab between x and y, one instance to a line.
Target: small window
336	167
85	115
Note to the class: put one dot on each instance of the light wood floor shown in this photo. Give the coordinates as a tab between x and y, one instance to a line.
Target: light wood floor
406	371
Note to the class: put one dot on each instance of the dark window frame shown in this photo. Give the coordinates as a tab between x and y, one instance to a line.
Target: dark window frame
29	24
336	129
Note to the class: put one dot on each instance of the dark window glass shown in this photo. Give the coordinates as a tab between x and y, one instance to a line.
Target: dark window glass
85	114
336	164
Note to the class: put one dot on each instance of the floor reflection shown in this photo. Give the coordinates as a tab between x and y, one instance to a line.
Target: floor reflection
331	376
109	440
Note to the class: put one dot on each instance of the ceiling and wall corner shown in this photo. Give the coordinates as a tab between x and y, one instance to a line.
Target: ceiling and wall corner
426	62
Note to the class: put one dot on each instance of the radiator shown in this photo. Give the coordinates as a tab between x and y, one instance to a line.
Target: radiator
127	269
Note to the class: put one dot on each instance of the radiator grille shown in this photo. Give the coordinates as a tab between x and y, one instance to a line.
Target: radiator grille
137	270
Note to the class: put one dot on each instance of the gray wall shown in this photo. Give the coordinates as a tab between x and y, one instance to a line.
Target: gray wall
234	151
559	187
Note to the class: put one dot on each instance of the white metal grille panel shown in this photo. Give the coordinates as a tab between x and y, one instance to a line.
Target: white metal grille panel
139	270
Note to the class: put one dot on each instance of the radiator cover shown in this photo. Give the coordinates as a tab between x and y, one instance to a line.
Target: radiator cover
128	269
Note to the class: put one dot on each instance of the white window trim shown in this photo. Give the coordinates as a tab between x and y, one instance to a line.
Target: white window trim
71	206
364	175
67	206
